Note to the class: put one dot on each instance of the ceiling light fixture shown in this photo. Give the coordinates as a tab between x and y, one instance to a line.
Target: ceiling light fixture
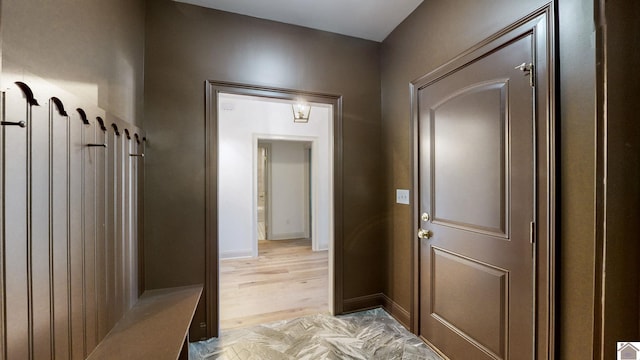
301	112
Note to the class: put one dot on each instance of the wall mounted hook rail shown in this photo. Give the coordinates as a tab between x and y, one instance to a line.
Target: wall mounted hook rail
137	155
14	123
97	145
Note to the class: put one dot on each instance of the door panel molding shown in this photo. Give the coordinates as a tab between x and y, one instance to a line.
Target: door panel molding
493	275
500	225
540	26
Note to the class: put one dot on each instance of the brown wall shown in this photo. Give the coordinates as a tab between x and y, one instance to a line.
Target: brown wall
620	207
93	49
576	187
435	33
187	45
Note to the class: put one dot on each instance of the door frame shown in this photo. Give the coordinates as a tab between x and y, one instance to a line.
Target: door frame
541	24
211	286
309	199
266	175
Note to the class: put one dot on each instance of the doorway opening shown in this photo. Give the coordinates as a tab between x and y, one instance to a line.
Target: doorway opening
284	190
285	276
322	162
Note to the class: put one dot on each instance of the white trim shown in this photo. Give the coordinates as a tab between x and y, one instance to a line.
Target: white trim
288	236
236	254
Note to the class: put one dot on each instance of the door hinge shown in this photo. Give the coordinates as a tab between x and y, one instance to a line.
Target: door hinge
532	237
528	70
532	232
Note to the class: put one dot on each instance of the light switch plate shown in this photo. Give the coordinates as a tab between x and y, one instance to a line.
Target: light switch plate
402	196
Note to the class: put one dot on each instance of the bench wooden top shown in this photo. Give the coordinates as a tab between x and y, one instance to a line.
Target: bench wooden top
155	328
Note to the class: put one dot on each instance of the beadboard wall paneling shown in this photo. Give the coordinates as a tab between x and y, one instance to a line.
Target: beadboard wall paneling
69	234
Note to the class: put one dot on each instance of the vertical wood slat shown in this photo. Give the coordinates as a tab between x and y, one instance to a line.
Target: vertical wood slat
68	224
68	240
132	201
16	295
77	244
89	221
110	239
40	230
3	289
134	220
119	228
59	147
29	230
101	225
126	230
140	216
68	221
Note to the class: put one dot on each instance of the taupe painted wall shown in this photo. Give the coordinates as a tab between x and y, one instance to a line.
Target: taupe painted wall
186	45
577	176
91	48
621	210
94	50
435	33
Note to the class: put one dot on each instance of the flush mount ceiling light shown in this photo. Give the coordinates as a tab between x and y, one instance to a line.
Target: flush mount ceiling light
301	112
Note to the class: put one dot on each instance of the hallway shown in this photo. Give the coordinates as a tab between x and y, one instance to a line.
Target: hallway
114	194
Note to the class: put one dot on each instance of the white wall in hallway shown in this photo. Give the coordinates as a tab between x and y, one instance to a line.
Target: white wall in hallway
242	121
287	210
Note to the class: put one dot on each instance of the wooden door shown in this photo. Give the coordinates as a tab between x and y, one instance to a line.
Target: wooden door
476	159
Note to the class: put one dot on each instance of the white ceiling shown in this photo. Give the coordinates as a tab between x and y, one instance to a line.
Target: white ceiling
366	19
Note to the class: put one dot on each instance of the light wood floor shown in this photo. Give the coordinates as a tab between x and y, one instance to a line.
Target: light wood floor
287	280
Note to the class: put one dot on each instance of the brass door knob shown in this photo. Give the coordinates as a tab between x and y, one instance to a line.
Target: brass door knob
424	234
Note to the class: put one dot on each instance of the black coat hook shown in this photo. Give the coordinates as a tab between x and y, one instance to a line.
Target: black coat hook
14	123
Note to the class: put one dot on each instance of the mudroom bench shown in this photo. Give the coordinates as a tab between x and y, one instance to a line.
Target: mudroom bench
156	327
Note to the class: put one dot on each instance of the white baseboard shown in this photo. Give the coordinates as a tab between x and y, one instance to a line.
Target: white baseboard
289	236
236	254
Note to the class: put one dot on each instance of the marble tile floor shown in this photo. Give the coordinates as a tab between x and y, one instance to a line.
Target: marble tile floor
365	335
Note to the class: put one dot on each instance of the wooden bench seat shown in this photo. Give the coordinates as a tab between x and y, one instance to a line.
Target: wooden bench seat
156	327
